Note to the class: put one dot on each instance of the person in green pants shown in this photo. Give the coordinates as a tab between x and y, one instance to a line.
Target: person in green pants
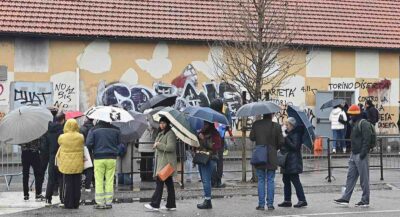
104	139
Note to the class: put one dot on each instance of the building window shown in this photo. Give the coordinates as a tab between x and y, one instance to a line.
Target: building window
347	96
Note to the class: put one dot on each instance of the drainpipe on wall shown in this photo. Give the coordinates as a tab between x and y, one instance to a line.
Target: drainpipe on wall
77	88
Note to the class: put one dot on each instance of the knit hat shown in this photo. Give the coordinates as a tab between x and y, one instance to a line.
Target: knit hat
292	121
354	110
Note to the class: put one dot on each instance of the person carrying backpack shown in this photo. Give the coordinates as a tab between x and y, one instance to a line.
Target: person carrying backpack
363	138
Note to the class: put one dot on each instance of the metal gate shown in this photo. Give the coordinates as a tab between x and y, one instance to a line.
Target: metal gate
323	127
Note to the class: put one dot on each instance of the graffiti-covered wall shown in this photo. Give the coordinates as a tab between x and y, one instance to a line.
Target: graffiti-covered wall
78	74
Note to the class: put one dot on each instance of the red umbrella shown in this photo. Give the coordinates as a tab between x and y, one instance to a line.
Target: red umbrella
73	114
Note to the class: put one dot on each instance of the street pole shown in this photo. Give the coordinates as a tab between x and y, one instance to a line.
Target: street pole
244	158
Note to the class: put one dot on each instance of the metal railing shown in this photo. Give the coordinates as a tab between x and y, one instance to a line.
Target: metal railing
377	156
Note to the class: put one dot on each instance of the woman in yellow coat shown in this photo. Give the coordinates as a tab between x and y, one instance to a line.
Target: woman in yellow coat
70	163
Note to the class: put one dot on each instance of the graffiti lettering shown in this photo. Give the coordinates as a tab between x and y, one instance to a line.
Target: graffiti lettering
288	92
28	97
1	92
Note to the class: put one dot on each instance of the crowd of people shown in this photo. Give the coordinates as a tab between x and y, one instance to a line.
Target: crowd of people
61	152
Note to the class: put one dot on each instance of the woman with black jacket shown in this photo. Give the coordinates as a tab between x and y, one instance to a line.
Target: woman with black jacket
294	164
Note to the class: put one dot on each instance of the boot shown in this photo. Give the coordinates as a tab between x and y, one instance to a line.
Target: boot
205	205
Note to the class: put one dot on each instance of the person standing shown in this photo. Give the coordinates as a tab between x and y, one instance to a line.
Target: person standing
70	163
165	146
372	114
51	146
210	142
293	165
104	139
264	132
338	120
358	162
30	157
89	173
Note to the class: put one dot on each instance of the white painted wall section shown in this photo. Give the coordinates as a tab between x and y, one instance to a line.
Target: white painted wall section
367	64
319	63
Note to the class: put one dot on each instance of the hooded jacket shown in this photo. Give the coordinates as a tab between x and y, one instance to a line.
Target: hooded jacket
104	139
334	119
70	154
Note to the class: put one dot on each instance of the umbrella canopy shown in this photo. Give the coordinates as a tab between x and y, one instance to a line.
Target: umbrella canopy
159	100
132	130
73	114
206	114
258	108
109	114
303	121
24	124
180	125
332	103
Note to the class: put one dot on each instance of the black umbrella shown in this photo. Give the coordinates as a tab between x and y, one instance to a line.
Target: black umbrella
332	103
159	100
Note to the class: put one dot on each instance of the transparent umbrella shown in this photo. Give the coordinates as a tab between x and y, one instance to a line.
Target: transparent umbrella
24	124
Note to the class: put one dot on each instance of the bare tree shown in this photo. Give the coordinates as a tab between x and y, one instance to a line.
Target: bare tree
256	51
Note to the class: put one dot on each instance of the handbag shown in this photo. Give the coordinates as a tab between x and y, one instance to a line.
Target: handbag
201	157
166	172
259	156
87	161
282	156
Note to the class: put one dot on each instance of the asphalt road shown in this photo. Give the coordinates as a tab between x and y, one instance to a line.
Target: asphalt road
383	203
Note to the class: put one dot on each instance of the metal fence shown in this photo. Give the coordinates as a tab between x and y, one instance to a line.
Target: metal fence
10	163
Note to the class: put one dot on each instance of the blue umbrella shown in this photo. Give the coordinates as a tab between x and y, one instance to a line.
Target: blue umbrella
206	114
303	121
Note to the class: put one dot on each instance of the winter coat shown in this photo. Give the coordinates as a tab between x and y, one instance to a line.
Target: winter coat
51	140
266	132
334	119
104	141
70	154
165	151
292	146
212	142
360	138
372	115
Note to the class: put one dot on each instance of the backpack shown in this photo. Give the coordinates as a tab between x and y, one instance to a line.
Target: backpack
372	144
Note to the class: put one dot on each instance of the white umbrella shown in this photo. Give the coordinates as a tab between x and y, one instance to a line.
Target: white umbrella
109	114
24	124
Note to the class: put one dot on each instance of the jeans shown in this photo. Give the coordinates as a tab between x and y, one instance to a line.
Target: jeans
270	175
54	178
205	174
339	135
295	179
157	196
28	159
357	168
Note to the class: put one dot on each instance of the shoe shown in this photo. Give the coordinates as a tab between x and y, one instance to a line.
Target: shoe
260	208
271	207
285	204
168	208
40	198
26	198
362	204
150	207
205	205
220	185
344	150
108	206
99	206
47	203
342	202
61	205
300	204
334	151
226	152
